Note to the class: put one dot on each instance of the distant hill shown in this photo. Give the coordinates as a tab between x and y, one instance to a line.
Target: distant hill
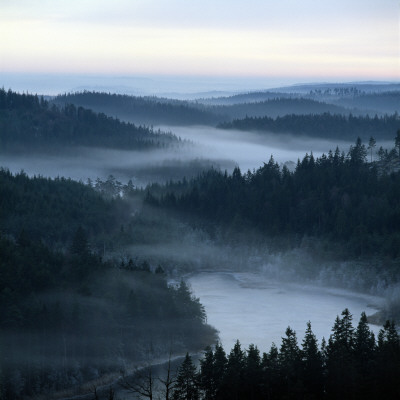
383	102
141	110
276	107
358	98
368	87
249	97
27	121
322	126
158	111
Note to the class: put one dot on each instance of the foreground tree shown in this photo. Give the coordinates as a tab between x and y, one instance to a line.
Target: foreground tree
339	357
233	382
290	365
186	387
313	379
253	373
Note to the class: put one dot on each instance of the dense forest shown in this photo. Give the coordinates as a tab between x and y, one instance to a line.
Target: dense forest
67	314
326	125
30	122
346	204
352	364
52	210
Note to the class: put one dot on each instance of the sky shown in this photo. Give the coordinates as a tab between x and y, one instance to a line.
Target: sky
304	41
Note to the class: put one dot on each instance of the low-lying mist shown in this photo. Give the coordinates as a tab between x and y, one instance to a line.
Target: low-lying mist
142	167
208	147
249	150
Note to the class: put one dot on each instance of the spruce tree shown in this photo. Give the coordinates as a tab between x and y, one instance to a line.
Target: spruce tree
364	355
312	365
290	364
207	375
253	373
186	387
234	377
340	380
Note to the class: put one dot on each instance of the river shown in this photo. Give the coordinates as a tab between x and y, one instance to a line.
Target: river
249	307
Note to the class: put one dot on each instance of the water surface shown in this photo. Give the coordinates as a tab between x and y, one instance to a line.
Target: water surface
253	309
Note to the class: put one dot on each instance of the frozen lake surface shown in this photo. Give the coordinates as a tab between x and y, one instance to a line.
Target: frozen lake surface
253	309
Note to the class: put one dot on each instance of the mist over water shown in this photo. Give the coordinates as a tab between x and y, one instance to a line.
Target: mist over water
249	307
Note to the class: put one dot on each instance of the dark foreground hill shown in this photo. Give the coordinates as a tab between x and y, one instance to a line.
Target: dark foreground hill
66	314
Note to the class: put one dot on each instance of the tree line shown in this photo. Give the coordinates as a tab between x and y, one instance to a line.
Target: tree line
325	125
352	364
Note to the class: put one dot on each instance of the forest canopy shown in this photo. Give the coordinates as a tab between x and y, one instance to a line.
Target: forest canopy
30	122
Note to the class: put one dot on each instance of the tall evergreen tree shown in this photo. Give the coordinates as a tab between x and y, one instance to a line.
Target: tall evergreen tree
364	355
253	373
186	386
234	376
220	365
207	376
340	362
312	366
290	365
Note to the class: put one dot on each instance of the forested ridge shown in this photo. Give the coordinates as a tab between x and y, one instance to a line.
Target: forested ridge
340	199
30	122
149	110
326	125
275	107
68	315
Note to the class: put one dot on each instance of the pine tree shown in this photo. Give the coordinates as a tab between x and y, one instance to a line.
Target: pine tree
312	365
186	387
207	375
253	373
290	364
364	355
220	365
233	382
339	357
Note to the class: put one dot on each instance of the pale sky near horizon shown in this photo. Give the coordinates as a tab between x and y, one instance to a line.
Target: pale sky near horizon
309	39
